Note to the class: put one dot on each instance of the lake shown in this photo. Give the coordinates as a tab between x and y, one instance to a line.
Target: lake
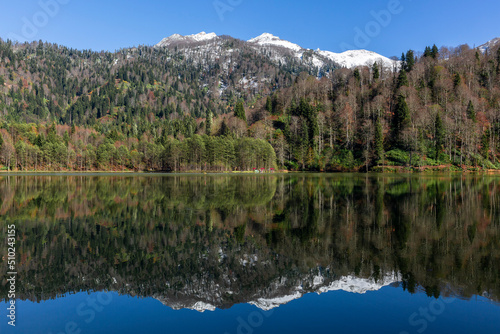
253	253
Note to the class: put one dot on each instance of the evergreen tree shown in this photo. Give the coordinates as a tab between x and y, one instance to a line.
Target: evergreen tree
379	140
457	80
239	111
409	61
269	105
434	51
498	61
357	75
402	79
485	144
439	135
427	52
208	125
375	71
471	112
401	118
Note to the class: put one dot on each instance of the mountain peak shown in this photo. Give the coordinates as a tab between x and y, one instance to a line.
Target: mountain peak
270	39
264	37
200	37
489	45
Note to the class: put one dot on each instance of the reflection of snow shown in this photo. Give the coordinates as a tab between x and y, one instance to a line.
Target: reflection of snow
359	285
267	304
345	283
202	307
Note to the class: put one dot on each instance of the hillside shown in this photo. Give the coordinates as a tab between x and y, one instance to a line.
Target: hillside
207	102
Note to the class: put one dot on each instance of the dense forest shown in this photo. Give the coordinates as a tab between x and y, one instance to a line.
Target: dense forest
158	109
254	235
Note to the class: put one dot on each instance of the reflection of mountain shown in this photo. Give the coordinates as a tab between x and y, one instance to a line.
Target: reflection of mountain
196	240
278	294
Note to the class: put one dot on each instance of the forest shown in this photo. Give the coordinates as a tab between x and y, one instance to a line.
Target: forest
154	109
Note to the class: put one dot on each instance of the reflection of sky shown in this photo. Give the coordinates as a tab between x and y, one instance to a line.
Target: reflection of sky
385	311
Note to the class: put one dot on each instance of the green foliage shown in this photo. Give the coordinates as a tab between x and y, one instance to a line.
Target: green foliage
409	61
471	112
375	71
379	140
485	144
239	111
398	156
402	79
439	134
457	80
208	124
401	118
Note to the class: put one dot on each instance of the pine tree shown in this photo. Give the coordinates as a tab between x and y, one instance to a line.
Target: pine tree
471	112
269	105
401	118
239	111
208	125
402	79
376	72
485	144
439	135
434	51
427	52
379	140
1	142
357	75
410	61
457	80
498	61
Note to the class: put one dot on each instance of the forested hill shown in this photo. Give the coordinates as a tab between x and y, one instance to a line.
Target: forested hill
181	108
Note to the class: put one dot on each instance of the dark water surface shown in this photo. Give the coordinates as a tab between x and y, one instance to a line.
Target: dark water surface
342	253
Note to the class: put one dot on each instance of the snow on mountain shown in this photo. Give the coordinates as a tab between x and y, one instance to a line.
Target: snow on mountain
269	39
176	38
281	52
267	304
204	296
349	59
355	58
345	283
489	45
359	285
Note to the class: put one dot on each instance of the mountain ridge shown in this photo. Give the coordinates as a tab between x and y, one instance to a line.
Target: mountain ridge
277	48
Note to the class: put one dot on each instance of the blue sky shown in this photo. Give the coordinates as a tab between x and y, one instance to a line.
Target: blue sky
326	24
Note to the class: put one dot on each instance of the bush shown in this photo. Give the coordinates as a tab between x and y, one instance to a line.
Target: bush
398	156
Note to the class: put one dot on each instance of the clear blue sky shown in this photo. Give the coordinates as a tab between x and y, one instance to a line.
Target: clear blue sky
325	24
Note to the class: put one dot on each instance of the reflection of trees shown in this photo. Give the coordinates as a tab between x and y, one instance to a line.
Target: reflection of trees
82	232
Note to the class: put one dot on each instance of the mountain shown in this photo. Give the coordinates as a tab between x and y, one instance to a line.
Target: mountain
281	53
280	292
176	38
318	58
489	45
355	58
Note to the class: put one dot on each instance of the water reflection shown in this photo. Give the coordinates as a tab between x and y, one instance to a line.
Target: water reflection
206	241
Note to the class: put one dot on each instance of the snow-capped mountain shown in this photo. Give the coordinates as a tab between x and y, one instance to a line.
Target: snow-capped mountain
348	59
489	45
279	292
283	52
176	39
355	58
269	39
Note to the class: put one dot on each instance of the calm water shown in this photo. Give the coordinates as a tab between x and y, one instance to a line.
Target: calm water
252	253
